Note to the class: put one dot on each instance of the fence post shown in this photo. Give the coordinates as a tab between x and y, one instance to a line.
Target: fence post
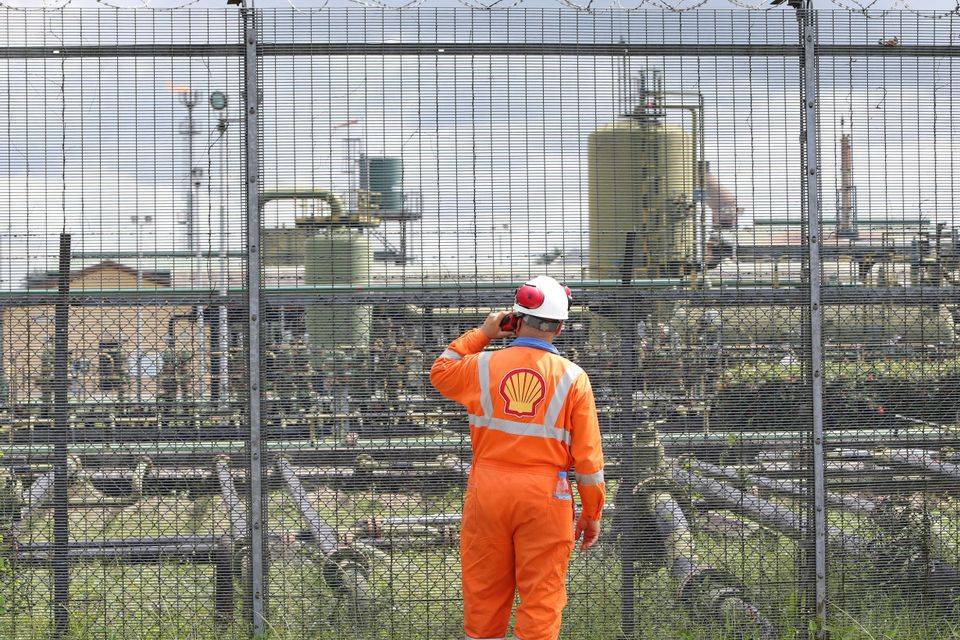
813	214
61	416
251	176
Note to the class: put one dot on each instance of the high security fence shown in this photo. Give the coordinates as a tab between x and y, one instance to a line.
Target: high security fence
232	243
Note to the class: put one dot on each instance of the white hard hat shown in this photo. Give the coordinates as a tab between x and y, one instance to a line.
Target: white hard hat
543	297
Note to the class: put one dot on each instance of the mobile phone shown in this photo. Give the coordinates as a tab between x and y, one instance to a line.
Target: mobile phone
509	322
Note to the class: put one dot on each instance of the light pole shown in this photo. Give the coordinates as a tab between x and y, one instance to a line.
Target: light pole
189	99
218	102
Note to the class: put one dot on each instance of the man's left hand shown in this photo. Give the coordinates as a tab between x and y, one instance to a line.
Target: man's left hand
589	529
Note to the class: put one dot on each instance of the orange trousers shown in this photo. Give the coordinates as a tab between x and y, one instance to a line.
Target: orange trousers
514	536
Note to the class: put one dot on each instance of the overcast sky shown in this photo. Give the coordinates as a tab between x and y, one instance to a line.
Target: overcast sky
495	144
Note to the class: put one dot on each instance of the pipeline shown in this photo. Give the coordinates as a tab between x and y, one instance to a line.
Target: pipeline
41	489
770	515
209	550
708	592
345	570
231	499
922	460
788	488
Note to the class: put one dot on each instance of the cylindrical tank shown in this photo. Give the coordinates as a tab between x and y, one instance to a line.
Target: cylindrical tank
383	175
641	181
283	247
869	325
337	256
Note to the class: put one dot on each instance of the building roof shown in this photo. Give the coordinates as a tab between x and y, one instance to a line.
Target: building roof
49	279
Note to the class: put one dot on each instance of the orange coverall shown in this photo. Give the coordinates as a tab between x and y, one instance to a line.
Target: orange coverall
532	414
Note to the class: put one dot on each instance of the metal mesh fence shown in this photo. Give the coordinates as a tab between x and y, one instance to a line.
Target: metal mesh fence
234	243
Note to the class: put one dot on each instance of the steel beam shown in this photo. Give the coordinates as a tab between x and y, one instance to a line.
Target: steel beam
447	49
761	293
251	133
813	217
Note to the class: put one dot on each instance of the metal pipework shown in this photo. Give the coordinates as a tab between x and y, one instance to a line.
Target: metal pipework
209	550
231	499
344	569
790	488
708	592
41	489
337	208
773	516
922	460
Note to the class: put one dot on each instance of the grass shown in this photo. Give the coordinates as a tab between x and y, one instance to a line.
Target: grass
418	591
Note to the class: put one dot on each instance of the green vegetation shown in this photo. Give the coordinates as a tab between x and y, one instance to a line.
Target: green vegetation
418	590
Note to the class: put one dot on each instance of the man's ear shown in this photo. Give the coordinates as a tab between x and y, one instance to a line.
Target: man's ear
559	329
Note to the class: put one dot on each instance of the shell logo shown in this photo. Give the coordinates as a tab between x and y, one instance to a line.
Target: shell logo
523	390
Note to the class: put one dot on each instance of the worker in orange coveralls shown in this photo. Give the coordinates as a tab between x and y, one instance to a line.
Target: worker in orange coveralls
532	416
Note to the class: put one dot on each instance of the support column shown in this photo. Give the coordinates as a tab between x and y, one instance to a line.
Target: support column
252	180
61	471
813	217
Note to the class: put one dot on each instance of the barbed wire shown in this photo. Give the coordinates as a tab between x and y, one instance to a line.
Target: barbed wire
865	8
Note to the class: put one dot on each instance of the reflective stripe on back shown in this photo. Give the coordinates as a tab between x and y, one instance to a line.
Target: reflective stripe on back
560	394
548	428
521	428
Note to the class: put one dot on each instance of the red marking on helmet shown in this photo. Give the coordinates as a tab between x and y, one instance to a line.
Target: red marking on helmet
529	296
568	292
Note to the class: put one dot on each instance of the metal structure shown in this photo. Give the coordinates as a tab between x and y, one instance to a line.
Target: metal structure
239	437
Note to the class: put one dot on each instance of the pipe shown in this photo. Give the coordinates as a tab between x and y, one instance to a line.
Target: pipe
769	514
324	535
42	487
921	460
705	589
344	569
128	550
337	208
231	499
722	202
790	488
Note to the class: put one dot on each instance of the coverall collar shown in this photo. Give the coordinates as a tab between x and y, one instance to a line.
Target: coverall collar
535	343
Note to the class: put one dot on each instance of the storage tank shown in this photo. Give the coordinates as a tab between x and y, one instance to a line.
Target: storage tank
337	256
641	183
283	246
383	176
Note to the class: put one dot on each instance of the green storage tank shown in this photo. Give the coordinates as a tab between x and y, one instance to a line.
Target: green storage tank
641	182
383	175
337	256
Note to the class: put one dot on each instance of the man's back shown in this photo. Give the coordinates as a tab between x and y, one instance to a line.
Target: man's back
523	404
532	415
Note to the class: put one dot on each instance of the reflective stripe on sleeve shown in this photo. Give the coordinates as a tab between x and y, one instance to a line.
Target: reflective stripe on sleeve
560	394
521	428
450	354
589	479
483	371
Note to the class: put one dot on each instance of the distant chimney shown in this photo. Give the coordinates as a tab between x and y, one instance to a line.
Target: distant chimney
847	195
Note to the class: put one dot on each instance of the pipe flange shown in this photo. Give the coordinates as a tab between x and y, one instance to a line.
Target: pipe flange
339	562
691	586
448	461
655	483
365	462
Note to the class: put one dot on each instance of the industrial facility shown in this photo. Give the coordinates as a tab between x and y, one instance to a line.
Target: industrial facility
127	381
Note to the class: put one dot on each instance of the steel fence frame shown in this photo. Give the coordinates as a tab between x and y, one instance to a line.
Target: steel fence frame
257	300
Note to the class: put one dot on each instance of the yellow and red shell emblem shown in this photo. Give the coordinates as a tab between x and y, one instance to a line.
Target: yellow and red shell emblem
523	390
